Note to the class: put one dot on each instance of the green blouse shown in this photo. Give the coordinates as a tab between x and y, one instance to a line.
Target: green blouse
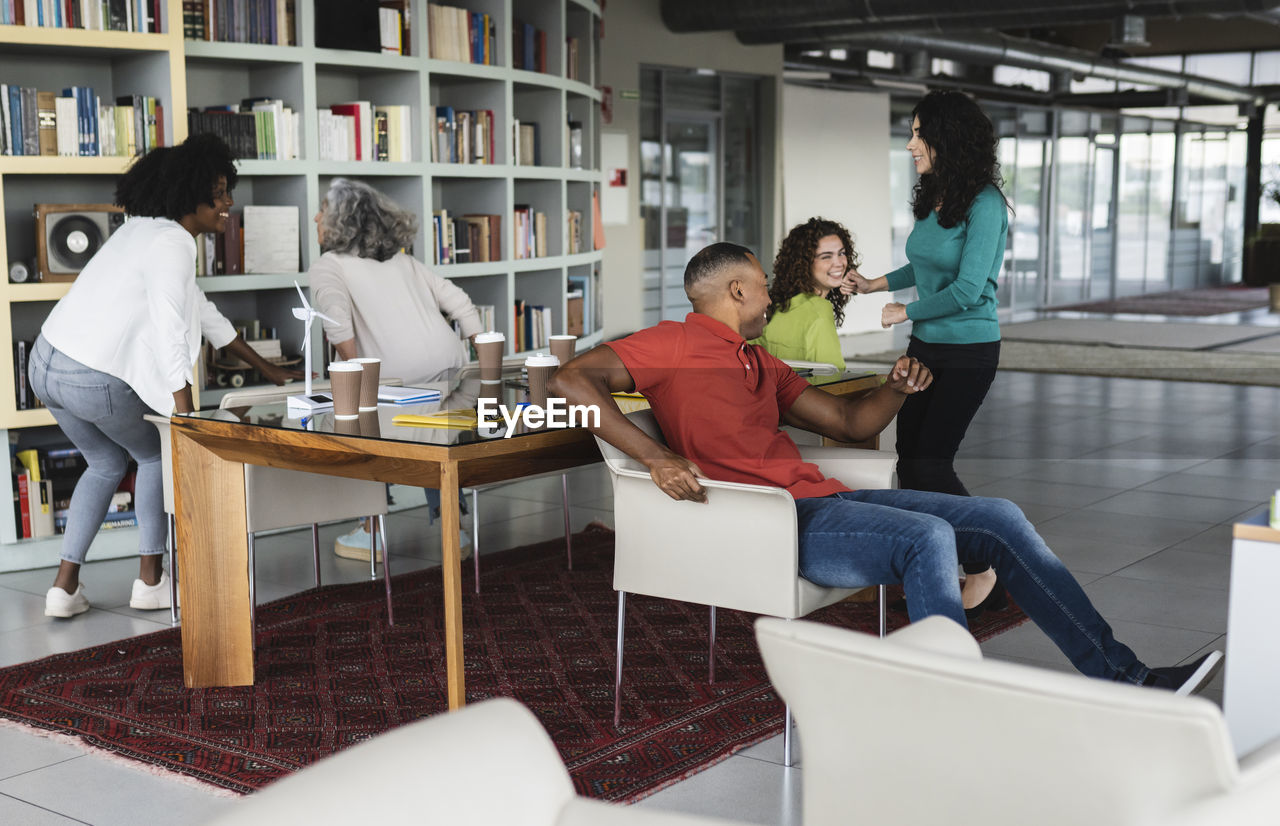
805	331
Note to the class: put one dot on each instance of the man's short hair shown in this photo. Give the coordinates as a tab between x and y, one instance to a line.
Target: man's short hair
712	260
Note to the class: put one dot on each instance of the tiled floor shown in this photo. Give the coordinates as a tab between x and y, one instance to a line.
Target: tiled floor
1134	483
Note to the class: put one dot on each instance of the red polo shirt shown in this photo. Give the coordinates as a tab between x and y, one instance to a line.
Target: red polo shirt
719	402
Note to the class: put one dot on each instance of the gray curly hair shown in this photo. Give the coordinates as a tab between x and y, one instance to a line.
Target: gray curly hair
359	220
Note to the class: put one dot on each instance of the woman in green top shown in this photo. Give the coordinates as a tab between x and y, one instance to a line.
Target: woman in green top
955	252
806	296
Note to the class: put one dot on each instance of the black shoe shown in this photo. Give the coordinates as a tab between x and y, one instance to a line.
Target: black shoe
997	600
899	605
1186	679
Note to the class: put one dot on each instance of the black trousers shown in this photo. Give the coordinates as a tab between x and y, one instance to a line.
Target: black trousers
932	423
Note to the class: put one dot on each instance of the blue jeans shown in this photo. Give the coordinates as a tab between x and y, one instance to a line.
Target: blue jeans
102	416
872	537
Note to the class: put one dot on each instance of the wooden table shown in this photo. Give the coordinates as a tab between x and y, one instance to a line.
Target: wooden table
209	454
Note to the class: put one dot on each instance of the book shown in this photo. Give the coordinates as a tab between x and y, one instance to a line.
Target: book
407	395
271	239
47	124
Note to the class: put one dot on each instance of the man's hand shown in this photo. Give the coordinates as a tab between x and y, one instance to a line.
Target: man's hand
676	477
892	314
908	376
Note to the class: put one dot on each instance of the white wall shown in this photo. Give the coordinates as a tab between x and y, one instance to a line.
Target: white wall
835	160
634	34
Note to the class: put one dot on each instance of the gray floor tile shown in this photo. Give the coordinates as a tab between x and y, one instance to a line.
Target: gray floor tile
1215	540
1181	568
1219	487
1110	473
753	791
1147	503
111	793
1118	527
17	811
1034	492
58	636
1096	556
1173	605
23	750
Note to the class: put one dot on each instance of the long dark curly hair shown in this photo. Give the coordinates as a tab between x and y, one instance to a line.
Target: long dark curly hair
793	266
964	162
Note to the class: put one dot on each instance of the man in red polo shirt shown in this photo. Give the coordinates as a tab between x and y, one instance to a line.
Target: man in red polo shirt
720	401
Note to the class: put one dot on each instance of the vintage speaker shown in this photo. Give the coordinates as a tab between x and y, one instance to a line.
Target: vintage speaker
68	235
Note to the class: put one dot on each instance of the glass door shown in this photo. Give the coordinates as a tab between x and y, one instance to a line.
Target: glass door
692	198
1102	220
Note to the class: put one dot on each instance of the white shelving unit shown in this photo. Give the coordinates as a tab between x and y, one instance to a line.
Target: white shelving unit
184	73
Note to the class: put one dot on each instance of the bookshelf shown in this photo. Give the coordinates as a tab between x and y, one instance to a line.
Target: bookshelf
192	73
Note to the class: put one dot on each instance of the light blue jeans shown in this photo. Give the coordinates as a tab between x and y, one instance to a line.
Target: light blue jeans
870	537
102	416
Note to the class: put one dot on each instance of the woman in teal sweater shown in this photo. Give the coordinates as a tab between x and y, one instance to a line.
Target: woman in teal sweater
806	297
955	252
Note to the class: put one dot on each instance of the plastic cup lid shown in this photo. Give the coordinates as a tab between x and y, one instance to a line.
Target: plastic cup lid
344	367
484	338
542	360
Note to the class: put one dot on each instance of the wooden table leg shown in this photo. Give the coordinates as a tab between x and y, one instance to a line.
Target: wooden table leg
213	565
451	566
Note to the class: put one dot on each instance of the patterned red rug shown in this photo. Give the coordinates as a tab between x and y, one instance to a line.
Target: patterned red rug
1194	302
331	673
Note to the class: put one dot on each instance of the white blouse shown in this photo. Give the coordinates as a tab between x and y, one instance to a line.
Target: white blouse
395	310
136	313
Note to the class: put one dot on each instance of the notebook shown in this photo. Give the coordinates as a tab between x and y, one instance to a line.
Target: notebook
407	395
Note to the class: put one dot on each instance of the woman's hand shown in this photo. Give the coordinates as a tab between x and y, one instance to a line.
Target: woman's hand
854	283
892	314
279	375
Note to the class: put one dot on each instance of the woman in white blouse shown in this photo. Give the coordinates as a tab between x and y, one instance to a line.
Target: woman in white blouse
123	342
384	303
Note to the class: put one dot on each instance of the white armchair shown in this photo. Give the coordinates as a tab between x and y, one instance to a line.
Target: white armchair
956	739
487	764
739	551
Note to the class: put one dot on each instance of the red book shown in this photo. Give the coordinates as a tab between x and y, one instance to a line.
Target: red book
24	504
19	14
159	124
353	110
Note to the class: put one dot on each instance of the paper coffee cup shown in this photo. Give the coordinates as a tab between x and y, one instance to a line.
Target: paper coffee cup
562	347
371	368
369	424
540	367
344	385
489	348
491	390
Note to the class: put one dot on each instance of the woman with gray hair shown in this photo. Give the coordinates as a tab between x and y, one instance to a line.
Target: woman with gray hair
383	302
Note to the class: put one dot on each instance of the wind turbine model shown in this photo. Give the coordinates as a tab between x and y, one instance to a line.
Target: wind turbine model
306	314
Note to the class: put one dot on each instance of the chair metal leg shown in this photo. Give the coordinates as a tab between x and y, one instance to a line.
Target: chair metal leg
315	551
475	535
253	594
173	570
373	549
380	525
711	649
568	537
880	593
786	738
617	677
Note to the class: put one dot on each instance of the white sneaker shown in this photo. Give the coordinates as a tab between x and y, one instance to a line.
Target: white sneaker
151	597
58	603
465	548
356	545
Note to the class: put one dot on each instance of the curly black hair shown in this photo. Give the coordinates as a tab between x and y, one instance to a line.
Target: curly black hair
172	181
964	162
793	266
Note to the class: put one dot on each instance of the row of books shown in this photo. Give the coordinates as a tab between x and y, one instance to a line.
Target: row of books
77	123
259	128
98	15
528	47
361	131
573	222
572	70
526	144
467	239
533	326
43	481
393	27
588	307
530	232
459	34
268	22
462	137
21	386
259	239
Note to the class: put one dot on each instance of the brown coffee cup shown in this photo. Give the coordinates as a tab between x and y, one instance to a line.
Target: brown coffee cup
344	385
491	390
563	347
371	368
540	367
347	427
489	347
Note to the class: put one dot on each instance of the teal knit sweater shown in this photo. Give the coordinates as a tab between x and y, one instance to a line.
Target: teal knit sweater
954	272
